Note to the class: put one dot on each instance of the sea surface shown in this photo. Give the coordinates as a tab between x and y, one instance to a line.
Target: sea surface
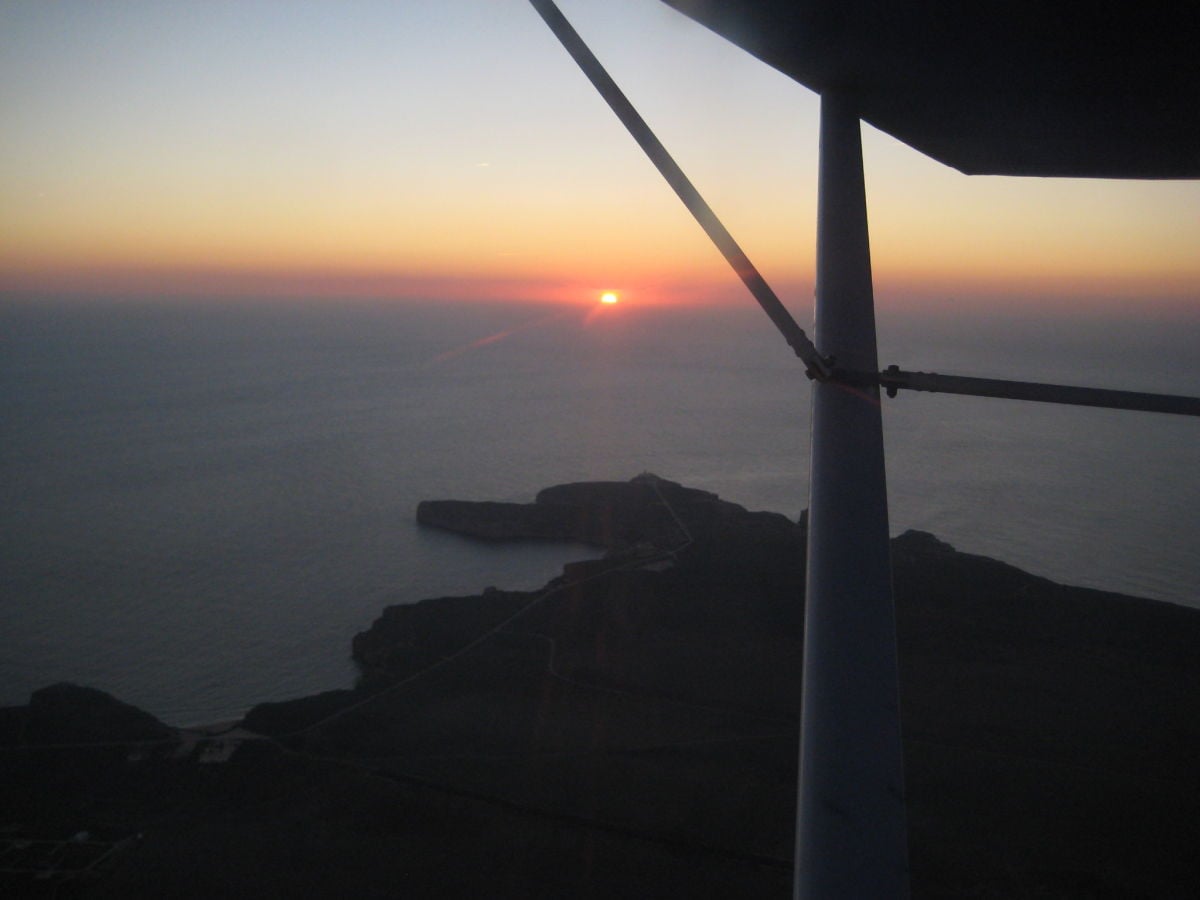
202	502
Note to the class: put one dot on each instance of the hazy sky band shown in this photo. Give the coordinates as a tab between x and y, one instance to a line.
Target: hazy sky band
452	149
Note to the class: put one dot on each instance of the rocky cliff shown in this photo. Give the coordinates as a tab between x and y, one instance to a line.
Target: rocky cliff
612	514
631	730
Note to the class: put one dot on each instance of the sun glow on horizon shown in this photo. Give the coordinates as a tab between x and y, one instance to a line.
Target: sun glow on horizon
206	169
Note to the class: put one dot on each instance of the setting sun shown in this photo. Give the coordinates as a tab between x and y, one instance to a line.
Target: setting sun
608	298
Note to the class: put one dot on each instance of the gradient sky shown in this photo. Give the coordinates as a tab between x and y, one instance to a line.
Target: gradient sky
452	149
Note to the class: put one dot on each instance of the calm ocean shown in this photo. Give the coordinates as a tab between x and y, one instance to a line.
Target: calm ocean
203	502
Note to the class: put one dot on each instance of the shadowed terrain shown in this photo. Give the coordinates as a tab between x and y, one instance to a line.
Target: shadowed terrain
631	730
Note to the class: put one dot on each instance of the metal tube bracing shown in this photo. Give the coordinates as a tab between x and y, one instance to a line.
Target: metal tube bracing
893	379
669	169
851	836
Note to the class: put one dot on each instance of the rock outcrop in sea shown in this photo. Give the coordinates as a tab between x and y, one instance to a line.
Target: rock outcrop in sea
631	730
612	514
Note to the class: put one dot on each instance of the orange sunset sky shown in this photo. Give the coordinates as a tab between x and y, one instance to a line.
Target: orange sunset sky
452	150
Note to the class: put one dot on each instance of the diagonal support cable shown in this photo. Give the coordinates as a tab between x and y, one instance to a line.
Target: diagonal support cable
816	366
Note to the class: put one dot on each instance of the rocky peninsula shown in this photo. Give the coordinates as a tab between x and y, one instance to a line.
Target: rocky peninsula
631	730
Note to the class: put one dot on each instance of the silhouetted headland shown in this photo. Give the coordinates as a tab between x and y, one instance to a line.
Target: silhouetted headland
631	730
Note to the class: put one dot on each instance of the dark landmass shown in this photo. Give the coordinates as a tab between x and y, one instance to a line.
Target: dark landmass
631	731
611	514
70	714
